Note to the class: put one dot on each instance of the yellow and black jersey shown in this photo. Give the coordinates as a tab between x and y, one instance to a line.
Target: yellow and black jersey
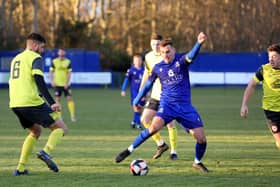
151	59
61	67
270	79
23	90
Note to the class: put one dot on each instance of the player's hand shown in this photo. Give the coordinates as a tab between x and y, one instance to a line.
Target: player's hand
123	93
201	37
66	87
244	111
56	107
137	107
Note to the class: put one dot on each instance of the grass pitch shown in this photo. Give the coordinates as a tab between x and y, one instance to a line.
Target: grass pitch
240	152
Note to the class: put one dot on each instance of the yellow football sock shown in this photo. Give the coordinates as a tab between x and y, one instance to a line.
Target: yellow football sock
156	137
173	138
71	108
26	150
54	138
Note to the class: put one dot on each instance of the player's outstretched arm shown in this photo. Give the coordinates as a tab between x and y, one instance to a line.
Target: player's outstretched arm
201	38
191	55
247	94
143	92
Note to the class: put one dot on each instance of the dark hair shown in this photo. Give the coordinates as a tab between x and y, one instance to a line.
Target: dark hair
156	36
137	55
36	37
165	42
274	47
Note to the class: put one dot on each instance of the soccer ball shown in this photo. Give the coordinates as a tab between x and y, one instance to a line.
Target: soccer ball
139	167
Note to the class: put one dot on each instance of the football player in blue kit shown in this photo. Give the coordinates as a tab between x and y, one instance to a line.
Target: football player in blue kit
175	101
133	76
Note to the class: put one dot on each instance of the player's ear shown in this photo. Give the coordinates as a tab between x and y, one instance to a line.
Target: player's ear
35	46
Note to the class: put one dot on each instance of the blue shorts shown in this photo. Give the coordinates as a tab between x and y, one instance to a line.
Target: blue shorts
185	114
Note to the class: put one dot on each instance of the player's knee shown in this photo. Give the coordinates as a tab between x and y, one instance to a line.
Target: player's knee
36	133
201	140
65	132
64	128
69	98
153	129
60	125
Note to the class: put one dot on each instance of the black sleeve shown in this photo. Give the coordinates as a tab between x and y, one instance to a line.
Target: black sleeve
38	63
40	82
259	74
70	66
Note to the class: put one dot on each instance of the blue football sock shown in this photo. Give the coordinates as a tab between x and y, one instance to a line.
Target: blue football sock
143	136
136	117
199	151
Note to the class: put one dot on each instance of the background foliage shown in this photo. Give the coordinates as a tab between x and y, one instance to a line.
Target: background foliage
119	28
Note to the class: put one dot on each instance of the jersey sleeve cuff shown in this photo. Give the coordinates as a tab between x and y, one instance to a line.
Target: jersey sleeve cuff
37	72
256	79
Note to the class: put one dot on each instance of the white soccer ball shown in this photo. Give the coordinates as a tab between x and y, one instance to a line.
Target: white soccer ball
139	167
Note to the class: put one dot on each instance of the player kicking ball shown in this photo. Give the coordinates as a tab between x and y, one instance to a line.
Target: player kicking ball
175	101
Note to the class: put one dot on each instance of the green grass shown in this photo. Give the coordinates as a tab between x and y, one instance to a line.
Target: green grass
240	152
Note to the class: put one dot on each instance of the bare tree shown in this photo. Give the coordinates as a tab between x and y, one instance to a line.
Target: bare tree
35	24
231	25
105	18
153	15
3	15
93	14
77	10
23	17
10	18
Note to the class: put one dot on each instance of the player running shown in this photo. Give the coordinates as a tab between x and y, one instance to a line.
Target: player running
175	101
269	75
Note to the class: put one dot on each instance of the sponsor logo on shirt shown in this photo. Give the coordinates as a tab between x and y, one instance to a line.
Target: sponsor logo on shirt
172	78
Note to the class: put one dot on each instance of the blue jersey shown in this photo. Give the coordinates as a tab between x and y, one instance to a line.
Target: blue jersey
175	99
174	79
134	77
